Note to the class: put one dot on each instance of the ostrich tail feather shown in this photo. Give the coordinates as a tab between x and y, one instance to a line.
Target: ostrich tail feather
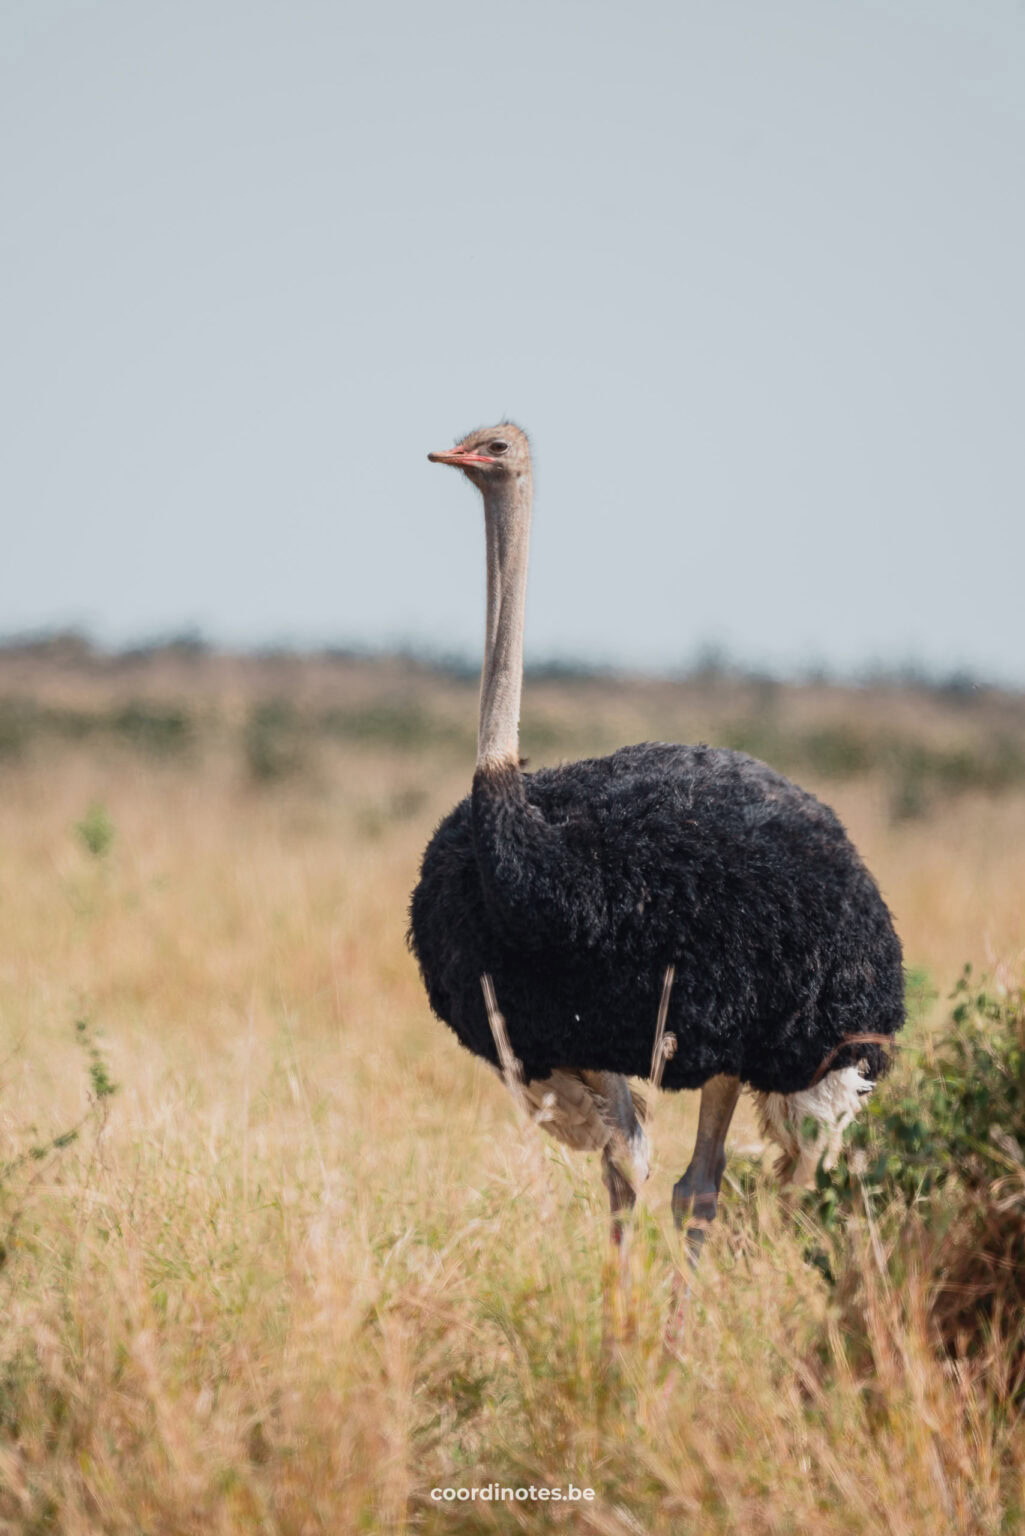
832	1104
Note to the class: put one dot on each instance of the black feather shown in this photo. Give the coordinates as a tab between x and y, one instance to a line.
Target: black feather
576	886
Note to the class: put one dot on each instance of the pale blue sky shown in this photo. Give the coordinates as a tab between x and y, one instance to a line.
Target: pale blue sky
750	273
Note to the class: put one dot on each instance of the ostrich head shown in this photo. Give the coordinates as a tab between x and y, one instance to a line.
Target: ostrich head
489	456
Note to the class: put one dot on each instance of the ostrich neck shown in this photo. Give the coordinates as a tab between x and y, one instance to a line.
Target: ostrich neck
507	509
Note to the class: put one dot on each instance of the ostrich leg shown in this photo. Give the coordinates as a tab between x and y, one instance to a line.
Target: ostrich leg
696	1195
622	1198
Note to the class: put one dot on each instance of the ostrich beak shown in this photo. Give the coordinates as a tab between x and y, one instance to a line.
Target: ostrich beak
459	457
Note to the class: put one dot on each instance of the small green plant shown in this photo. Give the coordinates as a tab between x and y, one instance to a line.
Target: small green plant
103	1086
96	830
22	1170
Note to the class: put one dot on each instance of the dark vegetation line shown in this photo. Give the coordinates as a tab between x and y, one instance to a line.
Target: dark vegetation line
710	664
167	702
278	739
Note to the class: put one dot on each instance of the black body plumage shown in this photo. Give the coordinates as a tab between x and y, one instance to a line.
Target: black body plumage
576	886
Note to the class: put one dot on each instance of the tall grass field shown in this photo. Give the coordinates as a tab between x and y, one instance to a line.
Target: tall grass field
279	1256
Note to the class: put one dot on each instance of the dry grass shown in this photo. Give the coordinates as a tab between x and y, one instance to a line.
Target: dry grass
311	1267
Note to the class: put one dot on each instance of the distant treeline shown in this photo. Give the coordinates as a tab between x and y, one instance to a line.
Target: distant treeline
708	665
275	739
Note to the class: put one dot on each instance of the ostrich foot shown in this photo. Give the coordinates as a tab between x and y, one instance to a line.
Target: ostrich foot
693	1213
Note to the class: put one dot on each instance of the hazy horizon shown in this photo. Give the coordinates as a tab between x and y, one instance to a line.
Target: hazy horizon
710	659
750	276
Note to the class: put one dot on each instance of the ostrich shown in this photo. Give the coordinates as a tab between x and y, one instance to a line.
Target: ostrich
575	888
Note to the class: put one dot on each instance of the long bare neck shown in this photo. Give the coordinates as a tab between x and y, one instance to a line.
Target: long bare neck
507	509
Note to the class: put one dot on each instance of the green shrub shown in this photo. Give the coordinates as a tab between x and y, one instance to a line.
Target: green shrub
837	752
916	773
402	724
15	727
96	830
944	1113
937	1165
161	730
274	742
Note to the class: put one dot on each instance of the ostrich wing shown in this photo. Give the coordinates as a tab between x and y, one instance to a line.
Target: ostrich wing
589	1111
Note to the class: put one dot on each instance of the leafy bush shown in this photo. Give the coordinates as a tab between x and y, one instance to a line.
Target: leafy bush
280	740
161	730
937	1167
15	722
916	772
945	1113
403	724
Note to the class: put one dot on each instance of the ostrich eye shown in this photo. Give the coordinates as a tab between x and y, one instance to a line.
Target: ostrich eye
497	446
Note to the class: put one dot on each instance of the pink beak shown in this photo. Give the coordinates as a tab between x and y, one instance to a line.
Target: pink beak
459	457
